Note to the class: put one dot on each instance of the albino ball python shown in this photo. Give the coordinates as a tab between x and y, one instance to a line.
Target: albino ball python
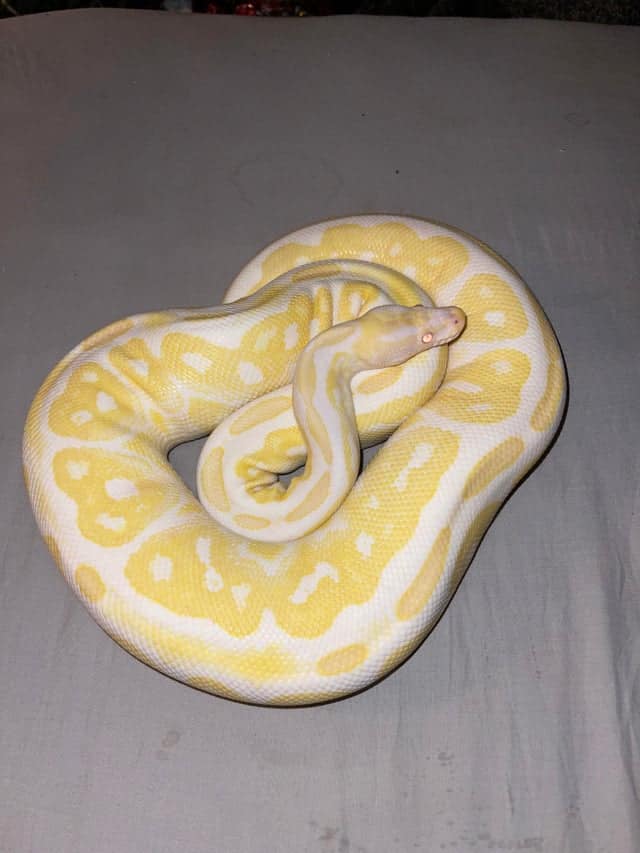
295	594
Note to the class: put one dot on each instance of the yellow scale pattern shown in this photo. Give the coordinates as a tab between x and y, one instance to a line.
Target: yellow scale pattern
100	426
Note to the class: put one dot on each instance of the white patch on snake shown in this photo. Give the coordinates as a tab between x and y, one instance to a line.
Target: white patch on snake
495	318
119	488
480	407
200	363
420	456
81	417
502	367
364	543
314	327
485	292
161	568
250	373
213	580
367	256
141	367
262	341
105	402
309	583
77	470
410	271
395	250
291	335
203	550
240	594
373	502
111	522
89	376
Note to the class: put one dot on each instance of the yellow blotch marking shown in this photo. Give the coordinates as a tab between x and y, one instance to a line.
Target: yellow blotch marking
359	572
251	522
185	592
267	338
321	271
136	362
550	403
352	297
158	421
499	375
257	666
274	455
90	584
307	382
187	365
379	381
259	413
211	480
94	406
102	518
435	261
320	434
415	599
322	312
155	644
316	496
492	465
204	413
343	660
421	453
494	312
547	409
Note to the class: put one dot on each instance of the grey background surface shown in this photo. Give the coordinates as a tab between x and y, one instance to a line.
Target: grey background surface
144	159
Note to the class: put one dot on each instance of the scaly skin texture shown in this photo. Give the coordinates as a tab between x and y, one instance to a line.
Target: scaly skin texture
322	402
325	615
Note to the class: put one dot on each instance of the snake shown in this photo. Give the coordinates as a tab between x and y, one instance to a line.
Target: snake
295	573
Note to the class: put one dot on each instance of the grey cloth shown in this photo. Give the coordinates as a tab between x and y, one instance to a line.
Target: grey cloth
144	159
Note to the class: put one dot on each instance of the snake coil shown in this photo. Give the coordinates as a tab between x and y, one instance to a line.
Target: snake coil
345	599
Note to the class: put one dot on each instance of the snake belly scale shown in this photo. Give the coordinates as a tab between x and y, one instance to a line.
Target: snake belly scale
214	601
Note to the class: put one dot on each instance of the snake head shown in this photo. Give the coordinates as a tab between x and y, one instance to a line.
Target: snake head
441	325
392	334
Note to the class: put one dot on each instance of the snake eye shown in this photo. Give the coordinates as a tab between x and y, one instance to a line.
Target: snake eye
427	338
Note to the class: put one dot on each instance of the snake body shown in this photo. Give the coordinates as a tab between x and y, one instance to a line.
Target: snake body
211	596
